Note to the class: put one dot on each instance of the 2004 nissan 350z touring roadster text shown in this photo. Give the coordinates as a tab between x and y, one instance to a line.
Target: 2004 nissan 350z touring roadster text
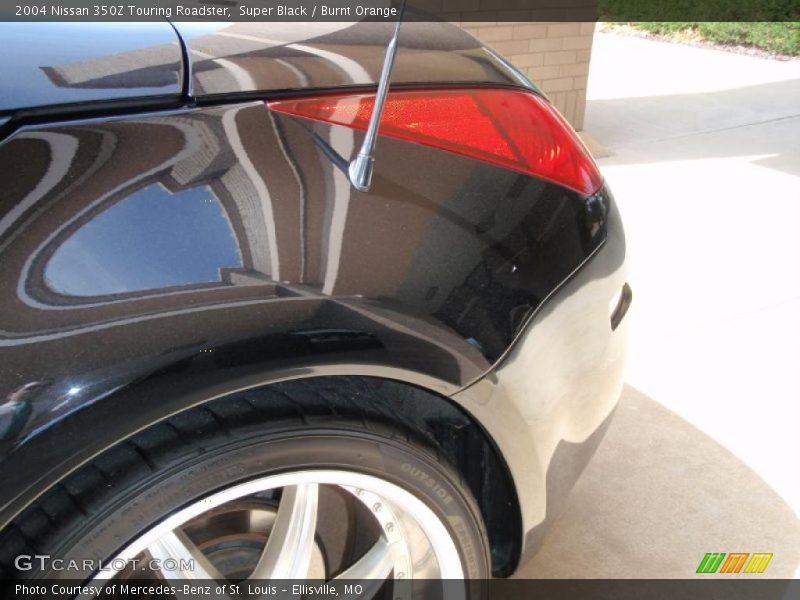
288	301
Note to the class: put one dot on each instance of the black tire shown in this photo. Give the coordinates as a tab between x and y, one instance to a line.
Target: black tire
99	509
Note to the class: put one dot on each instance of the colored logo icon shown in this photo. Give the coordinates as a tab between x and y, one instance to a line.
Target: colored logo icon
735	562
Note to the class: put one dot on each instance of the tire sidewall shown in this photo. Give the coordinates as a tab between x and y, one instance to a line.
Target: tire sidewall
132	510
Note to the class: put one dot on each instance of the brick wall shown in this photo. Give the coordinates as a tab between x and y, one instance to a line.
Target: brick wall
555	56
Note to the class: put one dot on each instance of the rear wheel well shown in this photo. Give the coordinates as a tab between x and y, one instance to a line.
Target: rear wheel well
433	419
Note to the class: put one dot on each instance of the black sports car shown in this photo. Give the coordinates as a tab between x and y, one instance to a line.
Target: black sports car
238	343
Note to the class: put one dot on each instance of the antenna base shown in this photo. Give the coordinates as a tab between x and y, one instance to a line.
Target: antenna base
360	172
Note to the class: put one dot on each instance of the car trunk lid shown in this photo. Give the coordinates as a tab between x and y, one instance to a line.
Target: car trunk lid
75	64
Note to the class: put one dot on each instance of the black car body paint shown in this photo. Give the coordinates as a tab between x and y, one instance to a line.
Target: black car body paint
151	262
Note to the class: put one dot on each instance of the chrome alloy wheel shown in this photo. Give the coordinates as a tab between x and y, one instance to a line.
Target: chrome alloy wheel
268	528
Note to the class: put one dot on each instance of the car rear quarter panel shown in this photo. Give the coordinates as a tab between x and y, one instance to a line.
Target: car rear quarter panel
154	262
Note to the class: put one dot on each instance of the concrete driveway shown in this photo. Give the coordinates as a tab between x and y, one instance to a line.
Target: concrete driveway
704	160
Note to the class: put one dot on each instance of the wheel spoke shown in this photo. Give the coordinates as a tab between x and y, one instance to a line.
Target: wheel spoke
376	564
191	562
371	570
413	542
287	553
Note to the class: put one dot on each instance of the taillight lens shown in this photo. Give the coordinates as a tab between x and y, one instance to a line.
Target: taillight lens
510	128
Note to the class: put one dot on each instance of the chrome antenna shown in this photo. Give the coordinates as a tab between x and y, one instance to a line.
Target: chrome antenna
360	169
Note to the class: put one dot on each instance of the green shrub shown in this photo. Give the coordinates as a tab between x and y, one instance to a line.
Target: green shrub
779	37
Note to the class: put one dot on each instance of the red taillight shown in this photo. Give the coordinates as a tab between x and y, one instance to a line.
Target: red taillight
509	128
